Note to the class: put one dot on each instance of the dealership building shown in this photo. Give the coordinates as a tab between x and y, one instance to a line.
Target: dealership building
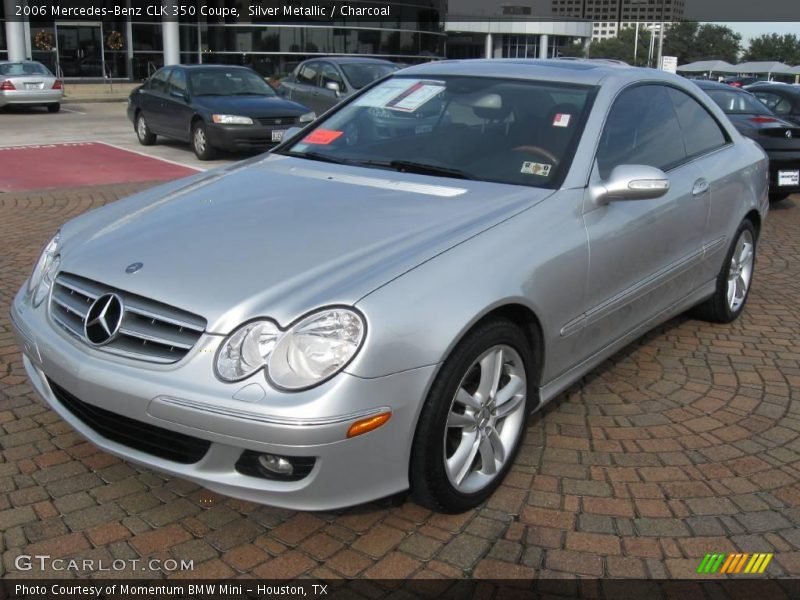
134	45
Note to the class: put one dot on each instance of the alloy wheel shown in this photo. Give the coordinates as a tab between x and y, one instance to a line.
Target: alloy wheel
741	271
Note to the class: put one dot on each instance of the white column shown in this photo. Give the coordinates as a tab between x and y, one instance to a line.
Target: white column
543	39
15	34
489	46
172	42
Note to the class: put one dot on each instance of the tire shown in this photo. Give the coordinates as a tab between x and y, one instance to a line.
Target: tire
54	108
720	308
146	137
200	144
465	443
778	196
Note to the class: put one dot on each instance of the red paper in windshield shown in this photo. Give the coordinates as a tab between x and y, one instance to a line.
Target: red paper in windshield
322	136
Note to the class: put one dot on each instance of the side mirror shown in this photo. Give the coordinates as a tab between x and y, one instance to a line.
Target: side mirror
631	182
178	94
334	87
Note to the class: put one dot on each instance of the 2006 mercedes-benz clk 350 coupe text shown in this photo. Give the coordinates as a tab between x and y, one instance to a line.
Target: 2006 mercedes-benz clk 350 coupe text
378	304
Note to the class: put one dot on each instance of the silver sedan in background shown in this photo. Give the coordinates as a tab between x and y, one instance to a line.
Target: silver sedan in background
372	308
29	83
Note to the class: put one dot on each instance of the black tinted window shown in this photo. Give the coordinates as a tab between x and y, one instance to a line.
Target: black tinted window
363	74
701	133
735	102
308	73
158	82
641	130
774	102
177	83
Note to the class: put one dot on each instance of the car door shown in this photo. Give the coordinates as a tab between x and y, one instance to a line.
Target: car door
306	83
177	112
326	98
153	100
644	254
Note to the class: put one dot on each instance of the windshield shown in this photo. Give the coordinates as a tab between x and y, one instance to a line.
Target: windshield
23	68
507	131
362	74
228	82
740	103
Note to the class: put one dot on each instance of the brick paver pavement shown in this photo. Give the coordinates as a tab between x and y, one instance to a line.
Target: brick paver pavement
686	442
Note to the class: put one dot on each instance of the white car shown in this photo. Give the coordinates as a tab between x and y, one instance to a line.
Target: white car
29	83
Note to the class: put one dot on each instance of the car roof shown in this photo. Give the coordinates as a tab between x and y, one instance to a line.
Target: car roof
777	87
343	60
214	67
581	71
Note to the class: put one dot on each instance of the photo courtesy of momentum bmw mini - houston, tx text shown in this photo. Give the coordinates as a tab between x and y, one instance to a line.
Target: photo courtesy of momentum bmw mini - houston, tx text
434	258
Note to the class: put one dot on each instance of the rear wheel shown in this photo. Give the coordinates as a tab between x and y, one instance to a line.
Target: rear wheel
146	137
200	144
473	420
733	282
54	108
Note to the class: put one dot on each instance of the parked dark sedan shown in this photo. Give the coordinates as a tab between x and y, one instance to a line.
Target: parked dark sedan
779	138
321	83
782	99
213	107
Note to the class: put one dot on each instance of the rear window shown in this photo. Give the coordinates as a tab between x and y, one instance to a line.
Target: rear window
734	103
23	68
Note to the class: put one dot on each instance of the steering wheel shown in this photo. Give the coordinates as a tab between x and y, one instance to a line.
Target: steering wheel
538	150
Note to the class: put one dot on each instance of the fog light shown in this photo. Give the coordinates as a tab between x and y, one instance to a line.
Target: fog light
276	464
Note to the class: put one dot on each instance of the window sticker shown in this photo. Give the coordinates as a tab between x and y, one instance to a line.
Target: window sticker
561	120
322	136
405	95
534	168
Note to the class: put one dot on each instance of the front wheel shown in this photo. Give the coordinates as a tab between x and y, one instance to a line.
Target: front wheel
473	420
733	282
143	133
200	144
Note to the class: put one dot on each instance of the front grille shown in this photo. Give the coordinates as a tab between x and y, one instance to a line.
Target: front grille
277	121
166	444
150	331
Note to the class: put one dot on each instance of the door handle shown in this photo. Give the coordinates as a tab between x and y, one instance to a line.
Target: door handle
700	187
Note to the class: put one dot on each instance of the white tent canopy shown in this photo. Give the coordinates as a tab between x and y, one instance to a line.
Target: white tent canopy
708	66
765	68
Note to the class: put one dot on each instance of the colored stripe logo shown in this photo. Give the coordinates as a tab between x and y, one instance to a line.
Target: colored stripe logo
732	564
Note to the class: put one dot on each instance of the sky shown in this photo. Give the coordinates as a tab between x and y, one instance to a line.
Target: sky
751	30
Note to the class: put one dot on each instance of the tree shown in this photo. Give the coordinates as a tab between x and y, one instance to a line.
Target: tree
622	46
691	41
783	48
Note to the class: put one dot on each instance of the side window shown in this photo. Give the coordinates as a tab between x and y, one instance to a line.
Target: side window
308	73
158	82
640	130
177	83
775	102
701	132
329	73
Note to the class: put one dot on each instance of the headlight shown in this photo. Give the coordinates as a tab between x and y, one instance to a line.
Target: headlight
231	120
311	351
42	276
307	118
246	350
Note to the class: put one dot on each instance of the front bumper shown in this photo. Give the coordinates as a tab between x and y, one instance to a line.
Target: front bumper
186	398
243	137
30	97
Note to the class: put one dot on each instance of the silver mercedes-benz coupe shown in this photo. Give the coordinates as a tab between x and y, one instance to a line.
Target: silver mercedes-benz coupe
378	303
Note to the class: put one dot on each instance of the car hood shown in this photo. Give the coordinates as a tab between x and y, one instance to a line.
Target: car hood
281	236
250	106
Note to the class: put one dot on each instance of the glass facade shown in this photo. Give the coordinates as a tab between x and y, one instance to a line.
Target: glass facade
133	49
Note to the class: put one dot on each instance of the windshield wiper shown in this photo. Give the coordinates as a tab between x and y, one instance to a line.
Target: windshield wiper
317	156
409	166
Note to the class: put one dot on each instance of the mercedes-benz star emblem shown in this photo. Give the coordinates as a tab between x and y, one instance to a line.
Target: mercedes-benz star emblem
788	133
103	319
133	268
